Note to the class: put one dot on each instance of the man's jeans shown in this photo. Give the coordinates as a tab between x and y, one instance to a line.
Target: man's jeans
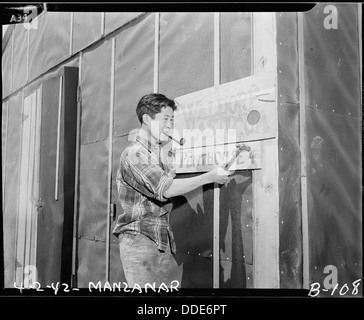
143	263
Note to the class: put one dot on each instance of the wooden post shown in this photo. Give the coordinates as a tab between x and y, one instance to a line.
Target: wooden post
4	156
29	205
156	54
34	227
71	34
28	50
58	137
360	14
303	140
109	180
216	213
77	170
25	177
102	25
265	181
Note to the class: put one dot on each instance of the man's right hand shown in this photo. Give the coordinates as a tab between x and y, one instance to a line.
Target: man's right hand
182	186
219	175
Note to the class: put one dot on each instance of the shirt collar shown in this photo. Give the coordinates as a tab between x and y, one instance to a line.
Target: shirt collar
144	138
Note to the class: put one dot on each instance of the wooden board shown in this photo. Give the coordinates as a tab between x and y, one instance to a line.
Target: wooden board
241	110
265	181
204	159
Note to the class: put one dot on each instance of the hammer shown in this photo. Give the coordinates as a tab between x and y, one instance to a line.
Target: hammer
240	147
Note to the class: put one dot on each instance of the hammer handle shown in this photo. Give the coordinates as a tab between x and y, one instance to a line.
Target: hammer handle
240	148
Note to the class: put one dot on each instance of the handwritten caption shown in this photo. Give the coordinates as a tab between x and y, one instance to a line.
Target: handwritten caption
64	287
106	287
331	284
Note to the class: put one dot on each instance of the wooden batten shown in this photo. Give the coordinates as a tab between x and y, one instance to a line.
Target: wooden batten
216	212
265	181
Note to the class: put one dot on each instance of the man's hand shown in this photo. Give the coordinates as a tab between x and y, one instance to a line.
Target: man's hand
172	173
182	186
219	175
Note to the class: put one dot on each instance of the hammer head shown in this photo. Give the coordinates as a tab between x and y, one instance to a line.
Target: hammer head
242	147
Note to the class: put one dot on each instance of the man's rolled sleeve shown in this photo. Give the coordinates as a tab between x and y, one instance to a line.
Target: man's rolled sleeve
166	182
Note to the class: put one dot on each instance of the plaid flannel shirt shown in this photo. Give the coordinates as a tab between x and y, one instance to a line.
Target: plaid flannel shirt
141	181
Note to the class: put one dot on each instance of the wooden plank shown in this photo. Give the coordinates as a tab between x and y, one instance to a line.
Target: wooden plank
29	202
237	111
58	137
216	212
360	31
265	52
102	25
109	181
17	266
12	64
303	143
265	181
28	50
360	28
216	48
204	159
216	238
156	54
71	34
4	156
23	192
77	170
34	227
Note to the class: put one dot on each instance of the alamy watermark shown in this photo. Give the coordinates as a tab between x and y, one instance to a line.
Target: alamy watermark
331	21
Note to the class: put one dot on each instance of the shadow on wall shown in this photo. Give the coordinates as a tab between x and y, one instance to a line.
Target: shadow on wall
192	225
233	272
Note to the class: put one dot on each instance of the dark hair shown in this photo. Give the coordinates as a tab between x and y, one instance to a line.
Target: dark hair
152	103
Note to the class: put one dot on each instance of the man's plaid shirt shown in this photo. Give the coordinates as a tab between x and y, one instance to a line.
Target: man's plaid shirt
141	180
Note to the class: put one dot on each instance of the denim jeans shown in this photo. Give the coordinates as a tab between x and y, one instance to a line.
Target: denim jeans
143	263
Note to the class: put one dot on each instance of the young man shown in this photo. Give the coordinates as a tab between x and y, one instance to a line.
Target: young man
145	181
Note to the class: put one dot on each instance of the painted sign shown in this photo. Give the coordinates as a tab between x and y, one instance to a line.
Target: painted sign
207	158
213	120
241	110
